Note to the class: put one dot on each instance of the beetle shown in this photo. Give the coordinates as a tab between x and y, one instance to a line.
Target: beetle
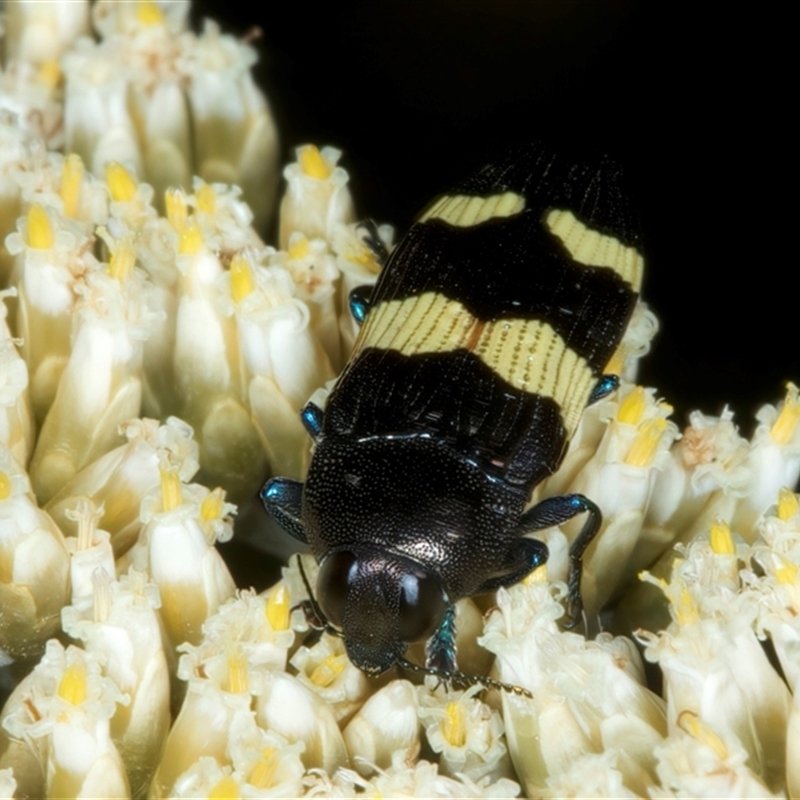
487	334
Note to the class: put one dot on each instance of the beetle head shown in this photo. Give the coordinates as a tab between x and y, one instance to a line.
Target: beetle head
381	601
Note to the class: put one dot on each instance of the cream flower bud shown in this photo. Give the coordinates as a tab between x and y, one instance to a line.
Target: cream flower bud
110	17
774	460
122	629
190	574
70	703
316	197
39	32
119	480
16	414
326	670
34	566
219	691
49	259
386	723
236	140
294	712
101	384
466	733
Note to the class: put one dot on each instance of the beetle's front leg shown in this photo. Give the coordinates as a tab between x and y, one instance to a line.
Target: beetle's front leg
440	650
556	511
282	498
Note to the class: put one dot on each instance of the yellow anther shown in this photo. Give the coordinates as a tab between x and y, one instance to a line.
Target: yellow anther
685	608
783	428
191	239
632	407
326	672
689	721
719	534
242	282
148	13
49	73
212	506
539	575
5	486
226	789
647	440
121	183
278	610
177	212
617	362
786	573
72	686
171	494
313	164
122	260
787	504
262	775
206	199
40	231
238	679
299	248
71	180
453	727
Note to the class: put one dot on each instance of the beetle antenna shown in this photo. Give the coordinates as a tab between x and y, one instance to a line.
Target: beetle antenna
464	679
314	616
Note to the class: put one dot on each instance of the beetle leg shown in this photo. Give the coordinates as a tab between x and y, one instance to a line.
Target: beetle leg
311	417
604	386
523	557
555	511
440	651
282	497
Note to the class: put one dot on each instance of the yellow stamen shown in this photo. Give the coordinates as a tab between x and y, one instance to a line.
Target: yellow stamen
122	260
278	609
787	504
647	441
262	775
326	672
453	727
5	486
49	73
206	199
299	248
72	687
121	183
191	239
238	679
71	181
212	505
632	407
40	231
242	283
539	575
148	13
689	721
786	573
226	789
617	362
784	427
719	535
313	164
685	608
171	494
175	204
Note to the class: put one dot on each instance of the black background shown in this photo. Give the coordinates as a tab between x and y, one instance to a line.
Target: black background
693	103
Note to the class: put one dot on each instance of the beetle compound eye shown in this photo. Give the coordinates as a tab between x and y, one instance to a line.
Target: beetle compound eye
422	606
335	576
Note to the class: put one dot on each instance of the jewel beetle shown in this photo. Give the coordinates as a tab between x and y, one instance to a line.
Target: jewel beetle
490	329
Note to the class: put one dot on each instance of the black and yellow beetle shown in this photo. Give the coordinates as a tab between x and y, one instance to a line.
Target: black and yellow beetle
487	334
